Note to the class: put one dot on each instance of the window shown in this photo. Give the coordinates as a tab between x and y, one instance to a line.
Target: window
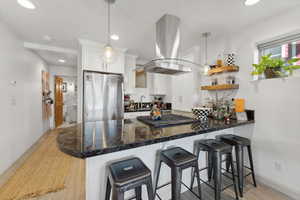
285	47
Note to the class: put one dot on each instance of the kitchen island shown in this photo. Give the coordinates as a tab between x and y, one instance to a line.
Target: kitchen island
103	142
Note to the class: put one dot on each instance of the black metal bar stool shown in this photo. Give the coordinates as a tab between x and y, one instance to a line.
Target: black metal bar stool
177	159
239	143
126	175
215	150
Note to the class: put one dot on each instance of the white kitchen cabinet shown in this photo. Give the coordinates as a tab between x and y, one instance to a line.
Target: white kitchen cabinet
129	73
92	58
161	84
133	115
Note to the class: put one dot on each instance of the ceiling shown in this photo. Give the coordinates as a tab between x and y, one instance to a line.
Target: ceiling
133	20
53	57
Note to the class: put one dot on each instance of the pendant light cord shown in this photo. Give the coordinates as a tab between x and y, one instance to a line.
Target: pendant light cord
206	50
108	22
206	35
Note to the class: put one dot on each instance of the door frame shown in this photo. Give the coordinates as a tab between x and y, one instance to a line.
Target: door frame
58	122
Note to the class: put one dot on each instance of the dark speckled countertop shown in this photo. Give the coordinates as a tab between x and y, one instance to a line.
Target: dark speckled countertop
101	137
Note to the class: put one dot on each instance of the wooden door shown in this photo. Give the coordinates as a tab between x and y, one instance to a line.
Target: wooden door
58	101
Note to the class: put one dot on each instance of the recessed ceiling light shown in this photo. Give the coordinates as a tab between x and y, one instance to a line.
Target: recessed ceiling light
114	37
62	60
47	38
251	2
27	4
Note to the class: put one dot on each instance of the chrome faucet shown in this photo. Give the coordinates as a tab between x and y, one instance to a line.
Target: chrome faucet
141	101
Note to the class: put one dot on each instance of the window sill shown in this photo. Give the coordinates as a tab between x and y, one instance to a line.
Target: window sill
259	79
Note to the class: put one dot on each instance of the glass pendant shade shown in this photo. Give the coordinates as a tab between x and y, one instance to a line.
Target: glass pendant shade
109	54
251	2
206	68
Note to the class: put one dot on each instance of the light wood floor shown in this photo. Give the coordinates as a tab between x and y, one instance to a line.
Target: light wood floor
75	183
262	192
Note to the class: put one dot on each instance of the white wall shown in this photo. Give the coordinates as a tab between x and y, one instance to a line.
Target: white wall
21	104
276	137
185	87
59	71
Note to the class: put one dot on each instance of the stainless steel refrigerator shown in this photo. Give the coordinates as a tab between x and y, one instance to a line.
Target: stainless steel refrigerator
102	96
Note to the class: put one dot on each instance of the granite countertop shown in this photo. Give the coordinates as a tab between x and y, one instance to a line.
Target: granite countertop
101	137
143	110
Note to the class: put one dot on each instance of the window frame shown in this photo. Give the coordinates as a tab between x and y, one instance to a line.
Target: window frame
278	41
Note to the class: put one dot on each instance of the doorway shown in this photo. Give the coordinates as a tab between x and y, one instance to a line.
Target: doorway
65	100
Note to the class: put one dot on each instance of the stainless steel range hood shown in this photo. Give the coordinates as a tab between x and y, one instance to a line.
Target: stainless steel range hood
167	47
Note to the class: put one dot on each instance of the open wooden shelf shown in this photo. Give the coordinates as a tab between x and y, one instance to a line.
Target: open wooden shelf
221	87
223	69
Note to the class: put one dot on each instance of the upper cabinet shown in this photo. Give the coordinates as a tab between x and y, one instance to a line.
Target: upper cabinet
161	84
92	58
129	75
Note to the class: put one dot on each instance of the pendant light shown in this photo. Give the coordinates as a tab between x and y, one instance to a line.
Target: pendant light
206	67
109	52
251	2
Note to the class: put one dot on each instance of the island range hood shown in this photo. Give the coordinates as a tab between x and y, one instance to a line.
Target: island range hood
167	48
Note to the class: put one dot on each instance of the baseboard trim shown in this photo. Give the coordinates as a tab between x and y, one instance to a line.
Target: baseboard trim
279	188
11	170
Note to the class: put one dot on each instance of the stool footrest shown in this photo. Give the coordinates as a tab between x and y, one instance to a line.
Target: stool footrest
202	169
212	187
190	189
164	185
131	198
236	174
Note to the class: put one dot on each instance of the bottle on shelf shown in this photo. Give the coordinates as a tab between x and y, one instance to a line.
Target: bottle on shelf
219	61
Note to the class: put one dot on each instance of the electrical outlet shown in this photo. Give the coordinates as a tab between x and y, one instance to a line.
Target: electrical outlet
13	101
278	166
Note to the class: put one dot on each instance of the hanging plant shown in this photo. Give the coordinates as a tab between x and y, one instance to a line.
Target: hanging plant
273	68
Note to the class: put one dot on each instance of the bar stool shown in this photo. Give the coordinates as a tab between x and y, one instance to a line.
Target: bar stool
239	143
215	150
126	175
177	159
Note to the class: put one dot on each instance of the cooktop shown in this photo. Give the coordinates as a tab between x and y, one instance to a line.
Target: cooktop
166	120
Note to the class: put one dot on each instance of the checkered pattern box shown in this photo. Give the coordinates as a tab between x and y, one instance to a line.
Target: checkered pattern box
201	113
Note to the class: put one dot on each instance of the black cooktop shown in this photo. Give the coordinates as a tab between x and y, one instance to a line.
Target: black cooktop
166	120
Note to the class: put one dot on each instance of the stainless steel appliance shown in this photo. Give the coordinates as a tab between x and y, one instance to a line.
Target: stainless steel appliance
167	49
103	96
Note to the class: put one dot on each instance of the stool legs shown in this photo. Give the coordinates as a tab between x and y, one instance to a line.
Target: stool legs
228	162
194	170
138	193
151	195
108	190
176	183
217	175
239	150
117	194
157	177
251	165
198	180
233	178
209	165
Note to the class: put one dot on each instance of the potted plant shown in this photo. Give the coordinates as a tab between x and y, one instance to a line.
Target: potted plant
273	68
